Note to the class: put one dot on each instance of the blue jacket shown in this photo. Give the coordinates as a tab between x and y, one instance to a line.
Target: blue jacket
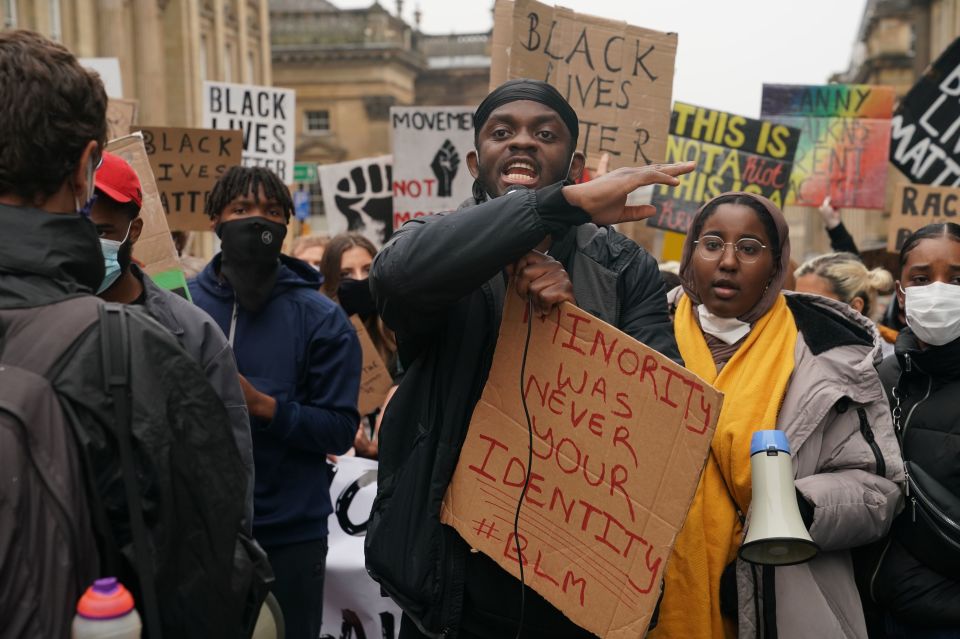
301	350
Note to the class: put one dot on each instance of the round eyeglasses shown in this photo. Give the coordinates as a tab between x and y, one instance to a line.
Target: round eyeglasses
747	249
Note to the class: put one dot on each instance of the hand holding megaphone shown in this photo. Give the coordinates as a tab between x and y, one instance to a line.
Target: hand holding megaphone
777	535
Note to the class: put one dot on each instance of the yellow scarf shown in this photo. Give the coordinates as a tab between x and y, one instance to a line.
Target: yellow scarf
753	383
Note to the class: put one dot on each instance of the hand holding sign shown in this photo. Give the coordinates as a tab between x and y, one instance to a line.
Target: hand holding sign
605	198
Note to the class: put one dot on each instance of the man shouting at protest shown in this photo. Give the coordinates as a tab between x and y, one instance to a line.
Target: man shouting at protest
440	284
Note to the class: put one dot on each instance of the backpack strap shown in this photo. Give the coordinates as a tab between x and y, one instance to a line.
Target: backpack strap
114	329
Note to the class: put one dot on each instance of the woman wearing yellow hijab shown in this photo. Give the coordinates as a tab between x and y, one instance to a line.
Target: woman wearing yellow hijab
804	365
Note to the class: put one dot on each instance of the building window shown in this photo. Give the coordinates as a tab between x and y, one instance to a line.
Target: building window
251	68
318	121
10	14
228	63
56	29
203	58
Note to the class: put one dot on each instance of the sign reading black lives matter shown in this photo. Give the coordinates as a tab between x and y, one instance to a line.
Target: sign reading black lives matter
925	136
430	146
617	77
732	152
358	196
265	117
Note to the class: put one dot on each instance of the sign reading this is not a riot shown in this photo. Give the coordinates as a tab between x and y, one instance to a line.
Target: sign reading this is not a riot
265	116
430	146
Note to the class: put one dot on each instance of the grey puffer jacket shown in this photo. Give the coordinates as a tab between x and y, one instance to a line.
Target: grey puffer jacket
847	467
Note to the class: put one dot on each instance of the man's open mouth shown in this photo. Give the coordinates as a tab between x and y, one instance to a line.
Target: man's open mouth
520	172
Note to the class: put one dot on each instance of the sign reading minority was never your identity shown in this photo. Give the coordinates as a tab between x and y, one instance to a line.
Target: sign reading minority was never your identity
264	115
358	196
925	142
620	435
186	164
844	142
617	77
732	152
915	206
430	174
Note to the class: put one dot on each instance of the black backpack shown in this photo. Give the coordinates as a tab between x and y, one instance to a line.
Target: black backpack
73	541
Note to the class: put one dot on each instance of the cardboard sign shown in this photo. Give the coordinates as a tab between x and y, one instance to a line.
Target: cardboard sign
430	145
620	434
353	605
121	115
358	196
265	116
375	379
915	206
925	142
154	249
733	153
186	164
844	143
616	76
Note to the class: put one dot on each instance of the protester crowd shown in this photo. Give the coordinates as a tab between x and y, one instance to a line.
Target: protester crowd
187	447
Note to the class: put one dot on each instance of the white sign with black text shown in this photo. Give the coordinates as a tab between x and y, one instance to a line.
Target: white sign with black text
430	174
265	115
357	197
352	604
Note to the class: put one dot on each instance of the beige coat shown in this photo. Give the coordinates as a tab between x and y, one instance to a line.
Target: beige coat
835	471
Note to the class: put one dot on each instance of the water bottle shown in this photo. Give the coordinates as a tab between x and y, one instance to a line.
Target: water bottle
105	611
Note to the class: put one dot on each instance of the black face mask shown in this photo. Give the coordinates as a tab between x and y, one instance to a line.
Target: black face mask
356	299
251	249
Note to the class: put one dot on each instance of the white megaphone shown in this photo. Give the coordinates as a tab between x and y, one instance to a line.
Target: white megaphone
777	535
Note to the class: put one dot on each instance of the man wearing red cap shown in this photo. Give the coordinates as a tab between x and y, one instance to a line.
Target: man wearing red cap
116	214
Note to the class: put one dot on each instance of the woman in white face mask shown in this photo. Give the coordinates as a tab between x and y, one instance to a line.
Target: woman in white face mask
914	576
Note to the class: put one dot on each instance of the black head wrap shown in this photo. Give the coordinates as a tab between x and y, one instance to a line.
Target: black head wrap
535	90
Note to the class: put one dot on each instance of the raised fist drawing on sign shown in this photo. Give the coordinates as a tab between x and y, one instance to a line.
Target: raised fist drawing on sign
365	198
444	166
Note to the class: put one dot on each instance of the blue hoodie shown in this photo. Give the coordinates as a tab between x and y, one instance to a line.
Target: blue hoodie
300	349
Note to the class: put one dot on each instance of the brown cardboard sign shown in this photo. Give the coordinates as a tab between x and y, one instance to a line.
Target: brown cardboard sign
616	76
915	206
187	163
620	435
375	379
155	249
121	115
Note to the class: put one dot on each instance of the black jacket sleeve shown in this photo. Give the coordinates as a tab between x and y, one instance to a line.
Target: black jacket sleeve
432	262
643	310
841	240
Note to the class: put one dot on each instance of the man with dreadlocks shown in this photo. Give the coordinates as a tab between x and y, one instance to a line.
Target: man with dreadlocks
299	362
440	284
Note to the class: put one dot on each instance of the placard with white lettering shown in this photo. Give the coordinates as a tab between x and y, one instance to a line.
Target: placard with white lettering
925	142
430	174
265	116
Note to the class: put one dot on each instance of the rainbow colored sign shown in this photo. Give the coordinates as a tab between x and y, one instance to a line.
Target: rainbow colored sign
844	141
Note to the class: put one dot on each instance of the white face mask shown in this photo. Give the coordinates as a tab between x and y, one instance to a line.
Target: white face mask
933	312
726	329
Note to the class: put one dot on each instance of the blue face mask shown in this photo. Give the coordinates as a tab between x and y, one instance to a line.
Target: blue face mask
111	261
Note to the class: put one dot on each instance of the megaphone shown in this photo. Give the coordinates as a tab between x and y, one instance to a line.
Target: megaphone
777	535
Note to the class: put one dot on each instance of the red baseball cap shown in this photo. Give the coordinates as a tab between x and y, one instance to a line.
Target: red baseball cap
118	180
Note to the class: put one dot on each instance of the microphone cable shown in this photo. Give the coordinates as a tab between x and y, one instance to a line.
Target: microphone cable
526	479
